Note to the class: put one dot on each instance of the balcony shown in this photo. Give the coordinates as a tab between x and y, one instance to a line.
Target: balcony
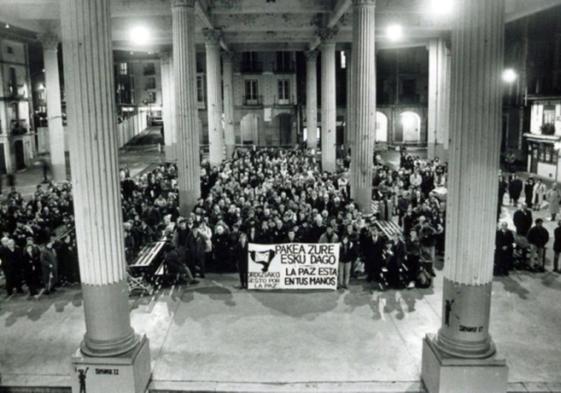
284	68
253	101
254	67
284	102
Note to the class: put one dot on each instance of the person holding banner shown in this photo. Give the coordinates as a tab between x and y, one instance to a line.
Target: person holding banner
240	254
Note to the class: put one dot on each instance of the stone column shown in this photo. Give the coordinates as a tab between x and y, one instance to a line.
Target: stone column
214	97
88	67
168	105
363	102
460	358
439	98
54	111
228	80
311	99
328	103
348	137
187	131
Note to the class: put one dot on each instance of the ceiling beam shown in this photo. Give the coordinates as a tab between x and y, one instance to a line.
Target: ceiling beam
341	7
517	9
201	10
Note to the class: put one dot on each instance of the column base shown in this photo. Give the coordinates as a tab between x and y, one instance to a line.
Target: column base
127	373
441	373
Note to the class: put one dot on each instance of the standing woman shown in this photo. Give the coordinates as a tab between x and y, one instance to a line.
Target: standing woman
539	194
240	253
554	198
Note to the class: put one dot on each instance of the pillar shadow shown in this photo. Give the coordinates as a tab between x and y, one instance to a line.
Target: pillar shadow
513	286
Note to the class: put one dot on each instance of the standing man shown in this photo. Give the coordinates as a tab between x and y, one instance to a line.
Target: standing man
504	242
12	265
538	237
557	247
515	189
49	266
529	192
522	220
32	266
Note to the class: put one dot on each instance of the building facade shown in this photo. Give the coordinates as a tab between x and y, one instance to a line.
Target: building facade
17	141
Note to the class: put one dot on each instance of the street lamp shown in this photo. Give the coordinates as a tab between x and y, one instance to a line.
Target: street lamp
394	32
509	76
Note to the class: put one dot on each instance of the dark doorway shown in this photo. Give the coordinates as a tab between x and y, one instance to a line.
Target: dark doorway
20	158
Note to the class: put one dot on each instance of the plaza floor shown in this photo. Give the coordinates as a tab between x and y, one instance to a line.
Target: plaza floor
215	335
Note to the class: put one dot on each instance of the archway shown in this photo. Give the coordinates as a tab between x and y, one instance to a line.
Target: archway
381	127
249	129
283	123
411	126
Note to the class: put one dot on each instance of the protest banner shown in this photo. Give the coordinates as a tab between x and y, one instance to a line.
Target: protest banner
293	266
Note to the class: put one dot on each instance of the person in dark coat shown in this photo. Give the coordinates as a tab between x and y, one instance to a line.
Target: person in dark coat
413	249
515	189
347	255
32	266
11	265
556	247
394	256
373	248
504	243
221	249
178	268
529	192
522	219
538	237
49	267
240	255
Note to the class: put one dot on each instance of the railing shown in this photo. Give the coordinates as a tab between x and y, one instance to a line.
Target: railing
253	100
285	101
254	67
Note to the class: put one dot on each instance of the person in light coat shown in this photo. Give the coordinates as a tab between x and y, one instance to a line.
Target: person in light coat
539	194
554	198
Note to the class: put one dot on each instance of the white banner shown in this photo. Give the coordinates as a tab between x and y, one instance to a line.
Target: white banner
293	266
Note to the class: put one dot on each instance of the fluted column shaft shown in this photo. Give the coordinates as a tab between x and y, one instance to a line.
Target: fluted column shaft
348	139
328	107
476	112
311	99
363	101
214	96
439	97
88	67
187	131
54	110
168	105
228	81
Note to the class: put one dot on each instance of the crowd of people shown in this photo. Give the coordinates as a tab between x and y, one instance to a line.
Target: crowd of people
525	247
261	196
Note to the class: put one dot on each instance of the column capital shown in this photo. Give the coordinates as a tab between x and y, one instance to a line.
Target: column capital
364	3
311	55
49	41
212	36
327	34
182	4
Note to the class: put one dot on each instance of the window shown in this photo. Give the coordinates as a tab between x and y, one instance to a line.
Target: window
13	81
150	69
200	88
283	62
150	83
151	97
9	50
251	92
123	69
284	89
343	60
